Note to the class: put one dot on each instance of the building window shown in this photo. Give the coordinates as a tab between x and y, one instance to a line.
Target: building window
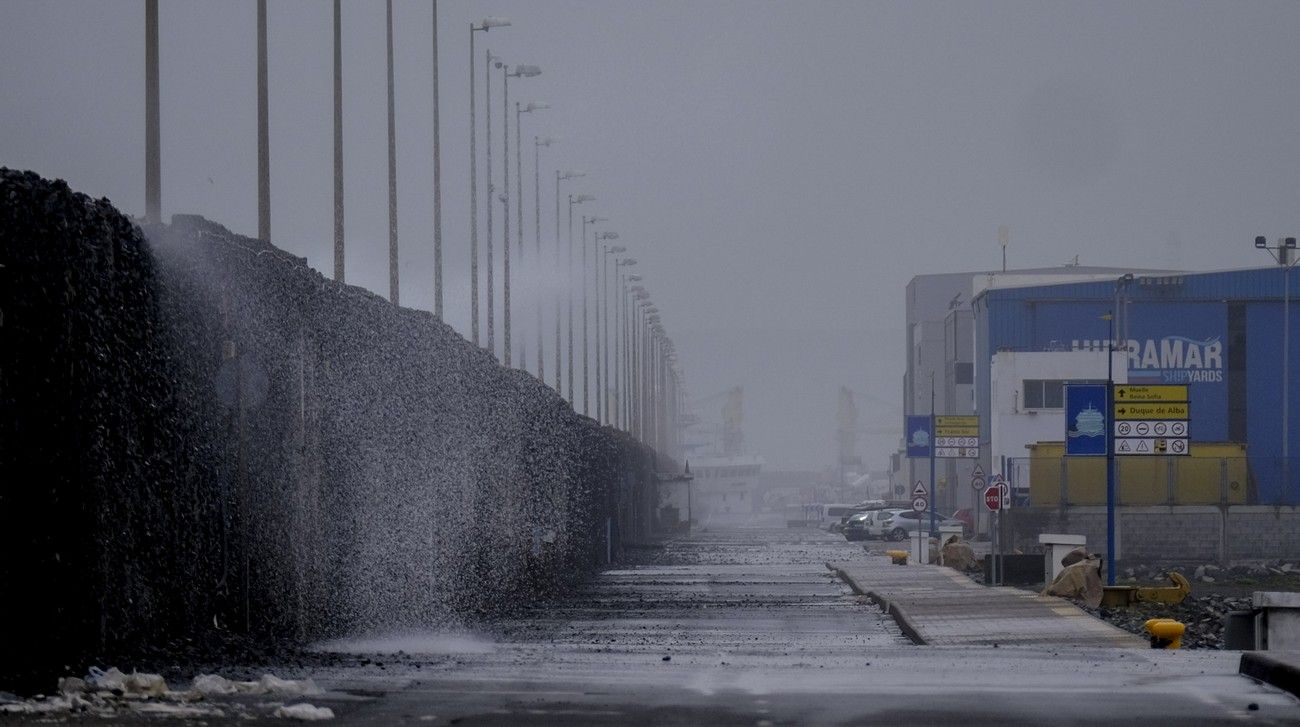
1043	394
963	372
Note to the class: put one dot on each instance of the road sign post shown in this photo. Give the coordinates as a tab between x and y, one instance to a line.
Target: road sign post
993	498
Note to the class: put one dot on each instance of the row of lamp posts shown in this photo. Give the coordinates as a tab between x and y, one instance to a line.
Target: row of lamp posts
634	369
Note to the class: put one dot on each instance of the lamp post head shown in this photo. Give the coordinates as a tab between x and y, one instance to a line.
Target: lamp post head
1261	242
627	261
615	249
571	174
544	140
490	23
637	288
633	278
527	71
609	235
579	199
533	106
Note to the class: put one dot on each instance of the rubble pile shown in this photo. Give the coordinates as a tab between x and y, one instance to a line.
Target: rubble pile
1202	615
207	447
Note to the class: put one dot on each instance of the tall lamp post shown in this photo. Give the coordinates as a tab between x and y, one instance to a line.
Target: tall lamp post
1284	253
586	352
602	315
573	199
491	190
538	267
521	71
559	266
485	26
620	353
530	107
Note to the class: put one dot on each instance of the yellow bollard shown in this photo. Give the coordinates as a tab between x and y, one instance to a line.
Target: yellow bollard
899	556
1166	633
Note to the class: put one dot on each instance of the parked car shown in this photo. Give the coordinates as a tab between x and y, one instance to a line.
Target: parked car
834	516
856	528
875	525
903	524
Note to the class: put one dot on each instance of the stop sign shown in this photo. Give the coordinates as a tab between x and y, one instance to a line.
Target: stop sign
993	498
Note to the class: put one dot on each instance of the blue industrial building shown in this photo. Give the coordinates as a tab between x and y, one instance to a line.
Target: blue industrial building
1220	333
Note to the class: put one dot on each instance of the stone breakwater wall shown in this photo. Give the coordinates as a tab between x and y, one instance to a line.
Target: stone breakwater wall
204	442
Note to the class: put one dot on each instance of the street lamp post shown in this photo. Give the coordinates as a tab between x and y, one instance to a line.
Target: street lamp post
1283	253
521	71
620	337
485	26
586	353
519	213
573	199
491	190
538	143
602	333
559	265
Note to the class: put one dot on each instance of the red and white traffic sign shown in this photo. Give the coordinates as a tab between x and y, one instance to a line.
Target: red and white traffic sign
920	503
993	498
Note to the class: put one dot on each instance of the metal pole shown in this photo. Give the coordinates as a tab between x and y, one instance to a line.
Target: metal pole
473	199
603	255
934	486
152	126
617	414
586	353
573	399
487	146
519	217
338	139
537	232
1286	370
1110	453
558	266
505	208
437	179
263	136
392	170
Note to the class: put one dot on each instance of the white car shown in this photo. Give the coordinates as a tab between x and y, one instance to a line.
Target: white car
875	524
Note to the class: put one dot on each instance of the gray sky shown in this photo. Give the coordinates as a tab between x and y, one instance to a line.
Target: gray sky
781	169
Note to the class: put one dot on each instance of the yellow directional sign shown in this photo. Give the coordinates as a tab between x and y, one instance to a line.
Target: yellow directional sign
956	426
1166	392
1125	410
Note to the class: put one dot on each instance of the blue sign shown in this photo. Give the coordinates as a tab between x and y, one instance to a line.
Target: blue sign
1085	419
919	435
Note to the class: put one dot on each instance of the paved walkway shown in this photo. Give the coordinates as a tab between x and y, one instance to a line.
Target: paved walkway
940	607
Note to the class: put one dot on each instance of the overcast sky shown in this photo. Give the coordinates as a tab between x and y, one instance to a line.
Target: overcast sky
781	169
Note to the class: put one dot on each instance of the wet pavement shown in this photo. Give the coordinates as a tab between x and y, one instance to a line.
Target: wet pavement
749	627
939	606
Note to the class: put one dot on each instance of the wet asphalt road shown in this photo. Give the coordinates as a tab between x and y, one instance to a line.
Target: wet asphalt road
748	627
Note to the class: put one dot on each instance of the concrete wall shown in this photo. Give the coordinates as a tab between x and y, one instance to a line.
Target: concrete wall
1180	534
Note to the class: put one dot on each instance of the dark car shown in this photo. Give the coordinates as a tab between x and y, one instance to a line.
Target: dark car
856	526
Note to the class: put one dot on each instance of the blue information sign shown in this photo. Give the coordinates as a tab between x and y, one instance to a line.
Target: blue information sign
919	436
1086	426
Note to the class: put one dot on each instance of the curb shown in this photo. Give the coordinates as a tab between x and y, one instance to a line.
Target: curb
1281	671
895	611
